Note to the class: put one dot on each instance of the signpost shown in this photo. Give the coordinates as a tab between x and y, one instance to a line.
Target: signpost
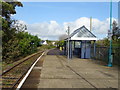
110	34
110	49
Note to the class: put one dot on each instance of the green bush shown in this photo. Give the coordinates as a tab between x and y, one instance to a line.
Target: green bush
22	44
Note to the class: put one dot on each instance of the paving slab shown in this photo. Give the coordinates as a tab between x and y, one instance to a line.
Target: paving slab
59	72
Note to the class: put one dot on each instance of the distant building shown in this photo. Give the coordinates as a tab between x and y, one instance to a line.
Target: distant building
44	42
53	43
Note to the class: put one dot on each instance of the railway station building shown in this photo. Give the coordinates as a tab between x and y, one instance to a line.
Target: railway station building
80	43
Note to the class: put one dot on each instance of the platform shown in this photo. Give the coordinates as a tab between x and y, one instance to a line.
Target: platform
59	72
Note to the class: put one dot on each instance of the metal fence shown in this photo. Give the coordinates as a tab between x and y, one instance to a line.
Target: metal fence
102	54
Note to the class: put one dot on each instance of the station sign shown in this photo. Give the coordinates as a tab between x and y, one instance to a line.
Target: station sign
110	33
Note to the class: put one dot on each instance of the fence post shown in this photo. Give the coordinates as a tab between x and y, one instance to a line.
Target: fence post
94	49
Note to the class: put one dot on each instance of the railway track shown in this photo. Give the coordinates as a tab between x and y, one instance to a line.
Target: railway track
12	76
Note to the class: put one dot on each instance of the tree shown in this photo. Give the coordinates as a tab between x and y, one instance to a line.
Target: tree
18	26
115	30
9	40
15	41
8	8
60	43
27	43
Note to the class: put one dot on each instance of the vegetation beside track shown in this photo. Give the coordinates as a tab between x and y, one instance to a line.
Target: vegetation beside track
46	47
16	41
19	59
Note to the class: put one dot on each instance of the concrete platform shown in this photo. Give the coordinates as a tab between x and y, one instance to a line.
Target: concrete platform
59	72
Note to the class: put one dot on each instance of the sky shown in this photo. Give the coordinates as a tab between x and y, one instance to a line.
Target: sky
49	20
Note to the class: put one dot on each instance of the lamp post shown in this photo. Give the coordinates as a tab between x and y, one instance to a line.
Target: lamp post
110	49
68	42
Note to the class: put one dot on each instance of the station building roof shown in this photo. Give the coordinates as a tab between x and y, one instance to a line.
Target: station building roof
82	33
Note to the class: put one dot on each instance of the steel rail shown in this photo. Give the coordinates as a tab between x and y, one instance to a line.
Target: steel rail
18	79
4	72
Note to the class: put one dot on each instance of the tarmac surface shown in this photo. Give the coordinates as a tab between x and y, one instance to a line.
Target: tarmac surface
56	71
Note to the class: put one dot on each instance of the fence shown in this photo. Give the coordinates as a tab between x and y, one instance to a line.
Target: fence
102	53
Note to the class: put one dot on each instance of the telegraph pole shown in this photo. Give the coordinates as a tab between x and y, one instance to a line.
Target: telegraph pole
90	23
110	49
68	43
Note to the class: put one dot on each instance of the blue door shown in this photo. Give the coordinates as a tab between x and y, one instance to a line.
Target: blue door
85	50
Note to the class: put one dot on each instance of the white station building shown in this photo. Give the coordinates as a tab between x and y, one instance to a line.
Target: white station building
80	43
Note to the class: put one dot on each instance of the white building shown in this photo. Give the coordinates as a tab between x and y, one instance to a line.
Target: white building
80	43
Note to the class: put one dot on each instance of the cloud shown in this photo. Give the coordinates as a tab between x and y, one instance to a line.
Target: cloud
99	28
46	30
53	30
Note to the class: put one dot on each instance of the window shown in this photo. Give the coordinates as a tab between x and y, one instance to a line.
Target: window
77	44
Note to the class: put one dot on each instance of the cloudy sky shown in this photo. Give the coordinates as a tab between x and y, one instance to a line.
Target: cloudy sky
49	20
